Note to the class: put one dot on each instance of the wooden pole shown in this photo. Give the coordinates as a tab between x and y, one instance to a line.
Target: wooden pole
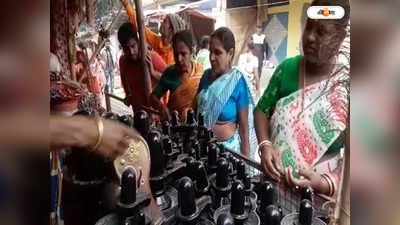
143	49
262	14
250	28
341	213
259	8
344	214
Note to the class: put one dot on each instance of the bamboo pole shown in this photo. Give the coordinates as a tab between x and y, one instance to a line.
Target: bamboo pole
143	49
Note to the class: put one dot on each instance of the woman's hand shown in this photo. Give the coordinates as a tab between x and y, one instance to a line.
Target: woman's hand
165	115
115	138
270	160
244	132
82	132
308	178
153	72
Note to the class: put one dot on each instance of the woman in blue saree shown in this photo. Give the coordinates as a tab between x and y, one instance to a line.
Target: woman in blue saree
224	97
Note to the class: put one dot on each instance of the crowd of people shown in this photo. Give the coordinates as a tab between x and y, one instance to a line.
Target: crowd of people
295	129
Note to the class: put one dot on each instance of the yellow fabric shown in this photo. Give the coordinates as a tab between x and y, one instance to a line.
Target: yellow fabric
182	98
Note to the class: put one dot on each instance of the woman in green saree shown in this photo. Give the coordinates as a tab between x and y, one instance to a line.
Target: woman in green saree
304	110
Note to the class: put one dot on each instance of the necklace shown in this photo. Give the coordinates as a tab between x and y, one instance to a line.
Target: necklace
303	80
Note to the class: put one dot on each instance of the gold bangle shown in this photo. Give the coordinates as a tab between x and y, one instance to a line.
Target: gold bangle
265	142
332	191
100	129
330	184
330	178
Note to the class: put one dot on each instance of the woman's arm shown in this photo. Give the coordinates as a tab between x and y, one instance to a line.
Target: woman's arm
244	132
156	64
270	159
156	74
67	131
160	90
152	38
81	131
153	72
242	105
261	124
321	183
155	101
326	183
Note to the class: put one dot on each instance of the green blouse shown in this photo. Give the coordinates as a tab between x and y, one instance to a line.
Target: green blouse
169	82
283	82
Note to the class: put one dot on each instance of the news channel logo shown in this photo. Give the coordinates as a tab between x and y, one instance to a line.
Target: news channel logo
325	12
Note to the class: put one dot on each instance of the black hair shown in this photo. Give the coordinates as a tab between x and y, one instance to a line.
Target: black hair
204	41
227	38
186	37
343	3
126	32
